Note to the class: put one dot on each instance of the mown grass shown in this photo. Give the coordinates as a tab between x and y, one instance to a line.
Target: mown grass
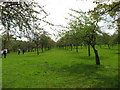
59	68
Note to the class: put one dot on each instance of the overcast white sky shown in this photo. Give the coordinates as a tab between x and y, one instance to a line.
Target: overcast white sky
59	9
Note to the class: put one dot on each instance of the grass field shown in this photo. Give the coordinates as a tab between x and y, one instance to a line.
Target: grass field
59	68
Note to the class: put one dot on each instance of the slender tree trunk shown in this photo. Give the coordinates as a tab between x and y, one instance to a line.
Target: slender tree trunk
71	47
81	46
108	46
74	46
37	50
88	50
42	47
96	55
8	30
118	25
77	48
8	36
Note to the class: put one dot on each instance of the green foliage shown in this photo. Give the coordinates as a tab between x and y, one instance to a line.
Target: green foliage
107	39
111	9
83	28
7	44
22	16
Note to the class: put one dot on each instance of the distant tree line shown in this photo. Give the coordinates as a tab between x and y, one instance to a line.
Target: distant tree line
101	39
44	43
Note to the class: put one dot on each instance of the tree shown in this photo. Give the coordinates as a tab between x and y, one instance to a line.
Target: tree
5	44
88	28
44	40
111	9
114	38
75	26
21	18
36	40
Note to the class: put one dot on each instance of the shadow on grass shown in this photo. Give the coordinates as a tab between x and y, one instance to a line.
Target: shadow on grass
82	57
80	68
96	75
113	49
117	53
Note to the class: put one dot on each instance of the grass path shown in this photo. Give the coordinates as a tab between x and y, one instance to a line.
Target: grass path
60	68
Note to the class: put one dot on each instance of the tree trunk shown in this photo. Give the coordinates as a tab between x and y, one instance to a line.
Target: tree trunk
108	46
96	55
74	46
42	47
81	46
118	25
8	30
77	48
88	50
71	47
37	50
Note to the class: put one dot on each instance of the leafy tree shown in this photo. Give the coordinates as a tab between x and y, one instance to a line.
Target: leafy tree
21	18
87	28
111	9
75	27
114	38
99	40
106	39
5	44
45	41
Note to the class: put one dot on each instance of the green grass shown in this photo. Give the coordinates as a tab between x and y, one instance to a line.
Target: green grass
58	68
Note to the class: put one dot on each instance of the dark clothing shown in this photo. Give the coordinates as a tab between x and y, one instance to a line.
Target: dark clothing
4	53
18	51
23	51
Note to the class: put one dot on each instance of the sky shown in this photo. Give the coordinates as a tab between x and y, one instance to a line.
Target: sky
58	10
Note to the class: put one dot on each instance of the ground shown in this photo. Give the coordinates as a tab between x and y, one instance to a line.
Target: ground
60	68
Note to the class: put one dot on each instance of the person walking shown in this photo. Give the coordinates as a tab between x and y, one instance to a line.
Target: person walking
5	53
23	51
19	51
